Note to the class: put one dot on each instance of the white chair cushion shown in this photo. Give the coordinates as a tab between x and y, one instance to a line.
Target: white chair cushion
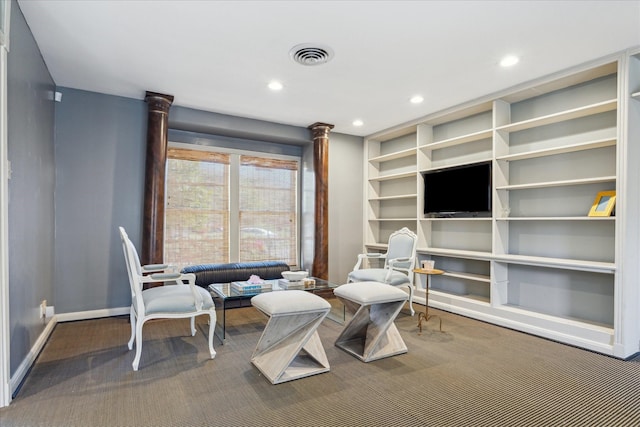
289	302
367	293
174	298
378	275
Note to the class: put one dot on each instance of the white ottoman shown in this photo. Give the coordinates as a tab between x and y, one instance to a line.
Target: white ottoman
371	333
294	316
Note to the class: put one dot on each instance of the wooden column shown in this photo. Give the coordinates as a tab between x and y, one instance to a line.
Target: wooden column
320	133
157	136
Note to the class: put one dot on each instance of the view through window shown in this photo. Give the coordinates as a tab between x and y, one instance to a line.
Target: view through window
268	200
228	207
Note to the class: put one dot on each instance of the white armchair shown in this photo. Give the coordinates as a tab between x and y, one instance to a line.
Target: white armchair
399	262
171	301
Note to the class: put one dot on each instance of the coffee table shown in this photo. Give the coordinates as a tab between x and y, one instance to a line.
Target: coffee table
225	297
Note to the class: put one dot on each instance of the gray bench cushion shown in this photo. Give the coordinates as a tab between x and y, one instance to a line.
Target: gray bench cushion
289	302
367	293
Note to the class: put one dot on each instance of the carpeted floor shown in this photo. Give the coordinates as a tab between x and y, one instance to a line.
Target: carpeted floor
473	374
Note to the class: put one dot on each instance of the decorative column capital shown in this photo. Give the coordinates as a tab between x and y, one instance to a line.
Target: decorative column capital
320	130
158	102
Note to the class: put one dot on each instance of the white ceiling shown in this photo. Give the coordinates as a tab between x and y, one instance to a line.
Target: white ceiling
219	55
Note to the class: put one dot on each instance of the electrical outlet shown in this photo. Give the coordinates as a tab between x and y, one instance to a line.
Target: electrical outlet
43	308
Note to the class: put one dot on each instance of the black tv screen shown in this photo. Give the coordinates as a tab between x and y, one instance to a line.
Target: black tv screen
463	191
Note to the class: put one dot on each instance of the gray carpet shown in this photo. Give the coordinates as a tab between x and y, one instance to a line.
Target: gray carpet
473	374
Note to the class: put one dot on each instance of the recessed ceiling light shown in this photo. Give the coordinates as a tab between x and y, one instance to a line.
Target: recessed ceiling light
510	60
416	99
357	122
275	85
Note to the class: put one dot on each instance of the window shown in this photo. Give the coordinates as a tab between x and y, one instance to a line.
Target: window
197	207
268	200
228	207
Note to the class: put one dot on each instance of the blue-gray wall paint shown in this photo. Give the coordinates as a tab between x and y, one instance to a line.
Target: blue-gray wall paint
100	149
31	188
188	119
233	143
345	204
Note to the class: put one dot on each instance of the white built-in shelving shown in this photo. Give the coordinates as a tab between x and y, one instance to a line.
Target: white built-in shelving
464	139
563	116
392	176
560	183
569	148
392	156
539	263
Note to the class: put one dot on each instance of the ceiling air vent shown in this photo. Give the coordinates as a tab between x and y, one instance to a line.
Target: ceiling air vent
311	54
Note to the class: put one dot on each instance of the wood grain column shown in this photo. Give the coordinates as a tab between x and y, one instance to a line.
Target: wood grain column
320	134
157	136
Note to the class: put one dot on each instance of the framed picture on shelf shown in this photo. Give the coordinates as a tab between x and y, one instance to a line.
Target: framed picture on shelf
603	204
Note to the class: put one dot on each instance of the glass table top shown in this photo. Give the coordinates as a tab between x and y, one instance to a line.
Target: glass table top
226	291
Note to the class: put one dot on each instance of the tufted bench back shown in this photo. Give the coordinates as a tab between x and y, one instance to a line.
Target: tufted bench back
207	274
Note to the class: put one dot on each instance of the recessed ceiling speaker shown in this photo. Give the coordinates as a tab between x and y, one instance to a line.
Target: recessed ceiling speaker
311	54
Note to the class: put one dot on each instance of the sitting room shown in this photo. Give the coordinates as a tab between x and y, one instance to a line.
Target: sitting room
322	213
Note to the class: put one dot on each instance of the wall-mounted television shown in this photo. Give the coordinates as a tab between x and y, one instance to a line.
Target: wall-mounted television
462	191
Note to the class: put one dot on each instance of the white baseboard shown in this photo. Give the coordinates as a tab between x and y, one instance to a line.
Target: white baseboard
92	314
28	361
24	367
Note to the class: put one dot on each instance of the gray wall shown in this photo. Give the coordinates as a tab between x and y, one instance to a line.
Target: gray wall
31	205
100	149
345	204
188	119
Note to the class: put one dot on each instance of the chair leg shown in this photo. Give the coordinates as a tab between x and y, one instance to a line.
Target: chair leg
212	328
193	325
132	321
136	360
411	299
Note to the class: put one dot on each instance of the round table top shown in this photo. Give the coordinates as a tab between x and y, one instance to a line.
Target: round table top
425	271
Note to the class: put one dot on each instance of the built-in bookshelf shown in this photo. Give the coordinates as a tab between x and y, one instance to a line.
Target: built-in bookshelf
539	263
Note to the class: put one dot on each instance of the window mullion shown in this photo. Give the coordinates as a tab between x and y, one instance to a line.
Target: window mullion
234	208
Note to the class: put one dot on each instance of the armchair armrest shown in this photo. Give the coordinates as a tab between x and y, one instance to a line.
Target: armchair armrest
156	268
165	276
373	255
391	262
399	264
362	257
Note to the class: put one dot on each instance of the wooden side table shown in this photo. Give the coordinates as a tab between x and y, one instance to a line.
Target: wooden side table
425	316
